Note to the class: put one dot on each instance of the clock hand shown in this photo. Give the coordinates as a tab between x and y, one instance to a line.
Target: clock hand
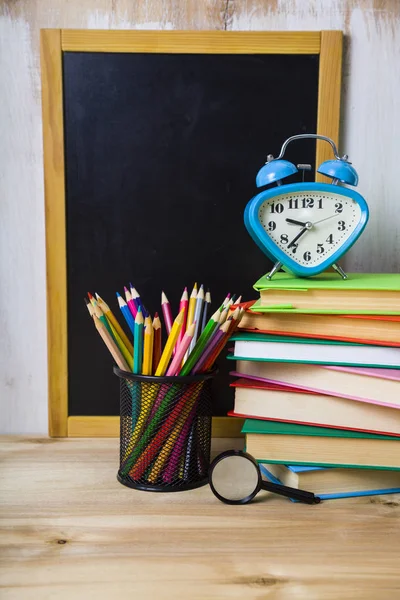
294	222
326	218
298	236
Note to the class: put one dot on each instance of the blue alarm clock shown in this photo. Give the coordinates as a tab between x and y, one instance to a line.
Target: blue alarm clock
306	227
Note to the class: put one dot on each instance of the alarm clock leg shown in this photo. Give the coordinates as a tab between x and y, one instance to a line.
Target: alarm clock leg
274	269
339	270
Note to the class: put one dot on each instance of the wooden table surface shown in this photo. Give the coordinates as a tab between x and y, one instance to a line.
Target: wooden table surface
69	530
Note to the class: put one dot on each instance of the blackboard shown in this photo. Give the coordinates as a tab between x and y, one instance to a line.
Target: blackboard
160	156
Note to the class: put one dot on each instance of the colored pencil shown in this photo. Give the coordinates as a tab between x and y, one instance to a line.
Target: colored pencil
192	306
111	345
138	301
181	350
183	305
209	351
126	313
127	293
197	316
200	344
112	320
99	314
89	307
92	300
124	350
167	313
190	314
223	316
233	324
131	304
134	296
157	341
168	446
169	473
138	343
142	456
169	346
225	302
207	304
114	335
148	348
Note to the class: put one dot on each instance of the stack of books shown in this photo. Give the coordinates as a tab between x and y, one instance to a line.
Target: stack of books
318	367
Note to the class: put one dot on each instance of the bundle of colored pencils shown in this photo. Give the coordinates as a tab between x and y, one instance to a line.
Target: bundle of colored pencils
193	342
163	423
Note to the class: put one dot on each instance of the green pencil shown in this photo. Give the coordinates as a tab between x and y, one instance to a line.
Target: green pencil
138	343
200	344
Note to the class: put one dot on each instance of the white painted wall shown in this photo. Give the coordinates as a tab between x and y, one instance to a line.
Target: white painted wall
370	135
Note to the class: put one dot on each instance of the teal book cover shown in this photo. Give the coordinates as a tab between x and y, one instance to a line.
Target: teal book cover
280	428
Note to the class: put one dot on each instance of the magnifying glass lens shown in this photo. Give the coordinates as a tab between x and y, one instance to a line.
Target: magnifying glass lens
235	479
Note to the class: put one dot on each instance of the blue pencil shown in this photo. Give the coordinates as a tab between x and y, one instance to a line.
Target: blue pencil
138	343
138	301
126	313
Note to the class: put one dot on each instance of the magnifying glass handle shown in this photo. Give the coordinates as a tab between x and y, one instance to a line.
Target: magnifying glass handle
283	490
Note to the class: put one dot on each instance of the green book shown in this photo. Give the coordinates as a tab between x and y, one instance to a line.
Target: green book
327	293
291	443
274	348
270	337
280	428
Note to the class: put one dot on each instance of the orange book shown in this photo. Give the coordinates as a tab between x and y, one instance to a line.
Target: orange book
378	330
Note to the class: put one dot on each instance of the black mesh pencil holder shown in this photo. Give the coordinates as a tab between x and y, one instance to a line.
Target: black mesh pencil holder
165	431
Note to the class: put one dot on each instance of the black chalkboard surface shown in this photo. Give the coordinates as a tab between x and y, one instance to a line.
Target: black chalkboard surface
161	154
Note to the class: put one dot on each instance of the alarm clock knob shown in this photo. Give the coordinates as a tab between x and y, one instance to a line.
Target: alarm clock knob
274	171
339	170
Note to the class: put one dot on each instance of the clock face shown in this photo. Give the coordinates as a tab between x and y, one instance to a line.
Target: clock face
310	226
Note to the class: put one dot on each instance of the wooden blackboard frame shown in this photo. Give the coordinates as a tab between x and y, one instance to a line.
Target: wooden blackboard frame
326	44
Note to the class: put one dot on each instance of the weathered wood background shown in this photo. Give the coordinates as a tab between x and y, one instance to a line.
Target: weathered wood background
370	134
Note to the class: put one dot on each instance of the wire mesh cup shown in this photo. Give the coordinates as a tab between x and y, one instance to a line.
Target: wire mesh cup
165	431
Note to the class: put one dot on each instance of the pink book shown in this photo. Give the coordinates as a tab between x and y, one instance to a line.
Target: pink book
375	386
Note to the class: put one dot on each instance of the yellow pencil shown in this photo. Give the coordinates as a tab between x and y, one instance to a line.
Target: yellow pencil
169	346
111	319
148	348
191	307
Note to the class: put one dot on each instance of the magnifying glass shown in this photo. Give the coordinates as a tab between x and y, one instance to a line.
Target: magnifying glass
235	478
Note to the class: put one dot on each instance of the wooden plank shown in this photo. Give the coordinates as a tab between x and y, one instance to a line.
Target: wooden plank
53	149
70	530
83	426
194	42
330	77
